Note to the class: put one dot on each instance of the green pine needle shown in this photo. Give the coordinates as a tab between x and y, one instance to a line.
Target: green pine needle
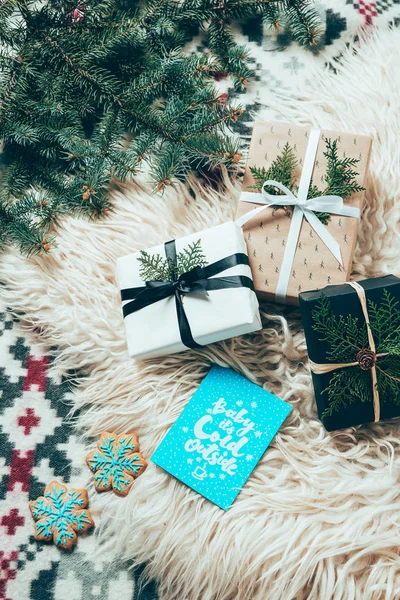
89	92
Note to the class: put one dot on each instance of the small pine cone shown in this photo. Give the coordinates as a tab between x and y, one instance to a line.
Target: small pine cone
45	245
236	157
162	185
86	196
366	359
227	155
70	156
234	113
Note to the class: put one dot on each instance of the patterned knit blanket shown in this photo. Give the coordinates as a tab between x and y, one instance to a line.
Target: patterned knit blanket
37	444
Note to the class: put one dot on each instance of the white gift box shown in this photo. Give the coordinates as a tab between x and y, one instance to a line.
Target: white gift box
155	330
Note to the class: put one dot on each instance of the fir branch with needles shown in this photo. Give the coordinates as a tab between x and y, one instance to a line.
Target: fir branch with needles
91	91
154	267
340	177
346	336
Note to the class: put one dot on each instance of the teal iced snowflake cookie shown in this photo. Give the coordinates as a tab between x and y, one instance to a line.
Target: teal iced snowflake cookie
61	513
116	462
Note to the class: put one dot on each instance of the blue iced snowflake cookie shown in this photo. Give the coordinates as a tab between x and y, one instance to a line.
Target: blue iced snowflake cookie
60	514
116	462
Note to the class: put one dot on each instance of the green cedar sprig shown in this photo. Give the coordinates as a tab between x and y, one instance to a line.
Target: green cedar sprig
346	337
154	267
281	169
340	177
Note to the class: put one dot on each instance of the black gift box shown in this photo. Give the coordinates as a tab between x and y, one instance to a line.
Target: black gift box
343	301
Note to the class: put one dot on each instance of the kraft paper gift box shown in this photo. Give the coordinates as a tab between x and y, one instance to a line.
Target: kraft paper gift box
266	234
206	304
355	366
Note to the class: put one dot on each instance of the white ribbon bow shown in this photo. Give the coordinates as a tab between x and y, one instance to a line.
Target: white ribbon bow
303	209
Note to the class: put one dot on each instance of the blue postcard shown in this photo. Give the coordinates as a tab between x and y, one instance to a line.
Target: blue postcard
221	435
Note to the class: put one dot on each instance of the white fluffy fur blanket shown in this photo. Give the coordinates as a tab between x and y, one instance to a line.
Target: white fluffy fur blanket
320	516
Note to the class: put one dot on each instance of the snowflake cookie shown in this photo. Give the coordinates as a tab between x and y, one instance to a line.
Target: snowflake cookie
116	462
60	513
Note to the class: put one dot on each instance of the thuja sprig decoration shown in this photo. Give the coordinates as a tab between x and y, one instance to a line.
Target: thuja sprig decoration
340	176
348	342
154	267
281	169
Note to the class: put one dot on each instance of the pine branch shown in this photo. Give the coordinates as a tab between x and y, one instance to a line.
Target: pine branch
31	237
17	63
90	91
303	20
205	127
25	12
151	124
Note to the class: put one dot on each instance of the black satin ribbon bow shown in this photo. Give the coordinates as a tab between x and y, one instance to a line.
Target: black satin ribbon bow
198	281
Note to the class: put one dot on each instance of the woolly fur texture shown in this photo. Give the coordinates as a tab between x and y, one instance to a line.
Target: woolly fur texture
319	518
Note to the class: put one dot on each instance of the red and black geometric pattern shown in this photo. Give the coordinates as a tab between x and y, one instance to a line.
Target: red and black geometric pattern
279	63
38	444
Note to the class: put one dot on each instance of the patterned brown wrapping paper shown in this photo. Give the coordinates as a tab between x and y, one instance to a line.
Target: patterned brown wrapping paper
314	266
